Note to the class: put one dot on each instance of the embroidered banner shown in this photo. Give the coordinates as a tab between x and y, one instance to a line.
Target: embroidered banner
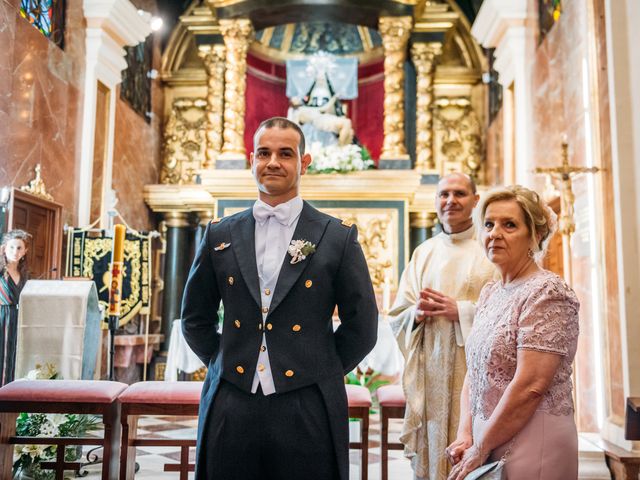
89	256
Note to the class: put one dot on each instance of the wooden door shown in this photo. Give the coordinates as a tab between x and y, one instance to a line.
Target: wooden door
43	220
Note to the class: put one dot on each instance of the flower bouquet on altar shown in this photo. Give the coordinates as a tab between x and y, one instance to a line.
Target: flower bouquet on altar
27	466
339	159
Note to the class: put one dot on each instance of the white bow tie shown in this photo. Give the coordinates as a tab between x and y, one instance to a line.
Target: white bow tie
262	212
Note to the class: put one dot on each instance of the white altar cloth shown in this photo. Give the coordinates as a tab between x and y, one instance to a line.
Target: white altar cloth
180	356
59	323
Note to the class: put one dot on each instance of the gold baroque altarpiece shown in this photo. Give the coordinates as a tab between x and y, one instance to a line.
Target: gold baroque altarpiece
205	86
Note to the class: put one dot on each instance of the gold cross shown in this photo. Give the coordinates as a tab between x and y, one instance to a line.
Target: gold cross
564	173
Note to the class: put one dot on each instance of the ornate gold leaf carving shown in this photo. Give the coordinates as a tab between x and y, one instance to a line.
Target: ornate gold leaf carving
237	35
184	141
36	186
458	142
214	62
395	33
423	56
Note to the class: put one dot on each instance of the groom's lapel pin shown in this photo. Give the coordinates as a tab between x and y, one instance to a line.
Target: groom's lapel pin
222	246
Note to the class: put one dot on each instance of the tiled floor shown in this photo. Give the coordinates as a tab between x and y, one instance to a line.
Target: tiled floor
152	459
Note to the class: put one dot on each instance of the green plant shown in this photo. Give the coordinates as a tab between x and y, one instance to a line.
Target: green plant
47	425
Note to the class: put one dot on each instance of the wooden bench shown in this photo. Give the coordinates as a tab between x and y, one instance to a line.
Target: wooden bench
157	398
359	400
622	464
392	405
632	420
61	396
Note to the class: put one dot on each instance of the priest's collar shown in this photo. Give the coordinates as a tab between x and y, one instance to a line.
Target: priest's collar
467	234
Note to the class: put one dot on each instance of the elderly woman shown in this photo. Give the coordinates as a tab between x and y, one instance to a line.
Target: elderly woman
516	400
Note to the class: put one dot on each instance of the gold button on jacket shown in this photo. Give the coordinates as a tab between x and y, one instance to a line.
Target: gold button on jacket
308	283
239	369
230	280
296	328
269	326
289	373
237	323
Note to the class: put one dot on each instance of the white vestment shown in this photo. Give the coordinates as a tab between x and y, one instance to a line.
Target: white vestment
456	266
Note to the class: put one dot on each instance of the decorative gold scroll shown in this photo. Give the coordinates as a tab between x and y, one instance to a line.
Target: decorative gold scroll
184	141
458	137
36	186
237	35
423	56
395	33
214	62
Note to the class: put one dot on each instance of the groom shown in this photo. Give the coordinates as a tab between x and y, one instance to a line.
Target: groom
274	404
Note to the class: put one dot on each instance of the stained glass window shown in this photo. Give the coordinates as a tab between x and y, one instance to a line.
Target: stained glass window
549	12
47	16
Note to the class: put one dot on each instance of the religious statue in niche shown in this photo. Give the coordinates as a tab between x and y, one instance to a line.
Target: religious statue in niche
315	102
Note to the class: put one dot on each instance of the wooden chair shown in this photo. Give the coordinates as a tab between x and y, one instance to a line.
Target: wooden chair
392	405
61	396
359	400
157	398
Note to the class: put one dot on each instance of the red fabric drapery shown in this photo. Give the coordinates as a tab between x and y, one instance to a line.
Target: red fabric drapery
265	97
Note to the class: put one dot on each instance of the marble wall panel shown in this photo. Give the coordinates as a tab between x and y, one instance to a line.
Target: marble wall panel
137	160
558	71
40	104
7	35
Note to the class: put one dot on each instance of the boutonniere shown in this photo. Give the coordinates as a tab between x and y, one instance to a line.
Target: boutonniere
300	250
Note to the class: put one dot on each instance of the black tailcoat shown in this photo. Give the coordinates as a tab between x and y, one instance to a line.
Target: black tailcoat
305	297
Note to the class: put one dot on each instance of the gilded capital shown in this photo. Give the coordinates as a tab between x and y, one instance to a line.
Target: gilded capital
395	33
176	219
422	219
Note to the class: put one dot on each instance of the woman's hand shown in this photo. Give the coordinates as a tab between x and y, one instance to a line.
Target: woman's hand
455	451
473	458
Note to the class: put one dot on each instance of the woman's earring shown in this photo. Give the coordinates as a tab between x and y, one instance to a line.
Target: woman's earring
530	253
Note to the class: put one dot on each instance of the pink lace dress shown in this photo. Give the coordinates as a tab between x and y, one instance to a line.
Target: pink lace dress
539	312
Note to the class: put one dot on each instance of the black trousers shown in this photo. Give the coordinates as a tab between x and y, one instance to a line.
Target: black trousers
275	437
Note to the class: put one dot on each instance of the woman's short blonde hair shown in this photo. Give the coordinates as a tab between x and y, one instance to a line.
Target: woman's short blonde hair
539	218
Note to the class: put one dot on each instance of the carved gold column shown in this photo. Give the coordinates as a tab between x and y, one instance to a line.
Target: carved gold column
214	61
237	35
395	33
423	55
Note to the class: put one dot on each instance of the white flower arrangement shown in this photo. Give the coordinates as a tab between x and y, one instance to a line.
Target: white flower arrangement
337	158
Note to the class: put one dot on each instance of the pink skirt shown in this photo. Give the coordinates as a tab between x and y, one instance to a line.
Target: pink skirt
545	449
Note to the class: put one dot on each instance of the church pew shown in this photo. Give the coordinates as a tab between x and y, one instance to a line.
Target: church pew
157	398
61	396
392	405
359	400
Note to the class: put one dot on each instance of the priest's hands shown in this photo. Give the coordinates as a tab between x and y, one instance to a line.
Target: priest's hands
435	304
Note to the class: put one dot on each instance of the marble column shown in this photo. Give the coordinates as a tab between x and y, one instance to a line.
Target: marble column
421	226
214	62
423	56
176	269
204	218
237	35
395	33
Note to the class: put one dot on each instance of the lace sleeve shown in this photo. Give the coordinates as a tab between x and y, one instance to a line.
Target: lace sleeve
549	320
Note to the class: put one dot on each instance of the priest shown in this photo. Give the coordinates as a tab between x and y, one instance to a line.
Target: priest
431	317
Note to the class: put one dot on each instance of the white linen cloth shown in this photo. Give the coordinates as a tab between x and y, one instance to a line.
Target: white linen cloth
59	323
273	233
180	356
